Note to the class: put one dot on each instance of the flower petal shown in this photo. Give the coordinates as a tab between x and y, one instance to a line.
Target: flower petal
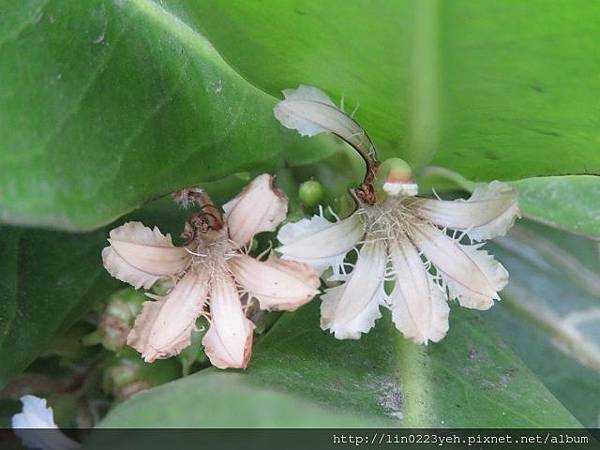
320	243
277	284
490	211
352	307
472	275
228	342
259	207
140	256
310	111
164	327
419	308
36	414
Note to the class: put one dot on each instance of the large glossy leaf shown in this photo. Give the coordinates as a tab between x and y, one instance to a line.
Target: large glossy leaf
501	90
551	311
516	88
213	399
105	105
470	379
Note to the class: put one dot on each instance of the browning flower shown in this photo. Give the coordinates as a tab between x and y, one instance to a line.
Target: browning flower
213	275
428	247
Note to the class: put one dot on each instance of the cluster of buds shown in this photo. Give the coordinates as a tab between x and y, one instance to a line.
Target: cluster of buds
117	319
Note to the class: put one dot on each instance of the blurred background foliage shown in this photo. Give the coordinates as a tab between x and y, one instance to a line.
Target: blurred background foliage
108	105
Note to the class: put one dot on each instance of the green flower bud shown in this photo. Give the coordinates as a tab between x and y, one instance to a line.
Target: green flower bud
311	193
395	178
117	319
163	287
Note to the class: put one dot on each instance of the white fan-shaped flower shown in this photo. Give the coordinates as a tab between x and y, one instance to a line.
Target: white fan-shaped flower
429	265
211	272
427	247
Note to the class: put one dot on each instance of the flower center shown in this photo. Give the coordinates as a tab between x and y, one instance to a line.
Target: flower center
210	251
387	220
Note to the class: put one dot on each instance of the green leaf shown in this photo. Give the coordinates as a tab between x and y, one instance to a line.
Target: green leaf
550	312
516	88
212	399
568	202
470	379
107	104
47	280
477	81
